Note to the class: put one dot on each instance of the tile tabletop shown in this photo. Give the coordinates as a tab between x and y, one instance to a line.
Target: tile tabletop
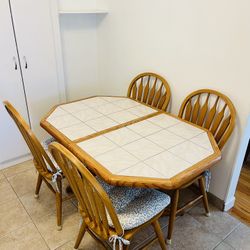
157	146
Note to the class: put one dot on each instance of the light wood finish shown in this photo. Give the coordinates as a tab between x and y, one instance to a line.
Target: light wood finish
40	158
174	204
241	207
151	89
204	193
94	203
215	112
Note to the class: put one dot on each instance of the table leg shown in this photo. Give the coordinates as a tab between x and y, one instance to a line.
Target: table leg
174	205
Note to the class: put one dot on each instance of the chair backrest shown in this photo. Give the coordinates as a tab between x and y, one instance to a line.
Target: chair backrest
211	110
36	149
151	89
93	200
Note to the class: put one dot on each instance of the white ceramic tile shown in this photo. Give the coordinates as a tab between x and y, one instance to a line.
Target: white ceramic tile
144	128
58	112
87	114
190	152
122	136
141	110
165	139
101	123
203	140
141	170
116	160
167	164
164	120
74	107
143	149
122	116
77	131
94	102
108	108
97	145
127	103
63	121
185	130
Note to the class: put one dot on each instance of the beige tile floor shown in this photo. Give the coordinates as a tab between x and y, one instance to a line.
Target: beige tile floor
28	223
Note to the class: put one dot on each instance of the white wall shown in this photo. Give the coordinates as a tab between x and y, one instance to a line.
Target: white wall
194	44
79	49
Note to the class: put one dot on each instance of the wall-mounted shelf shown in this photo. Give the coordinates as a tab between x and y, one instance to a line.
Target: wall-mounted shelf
84	11
82	7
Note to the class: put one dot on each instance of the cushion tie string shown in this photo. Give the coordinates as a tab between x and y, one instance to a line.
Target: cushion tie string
207	175
54	179
121	241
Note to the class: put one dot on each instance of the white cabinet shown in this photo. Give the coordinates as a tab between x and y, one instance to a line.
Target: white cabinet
11	88
28	69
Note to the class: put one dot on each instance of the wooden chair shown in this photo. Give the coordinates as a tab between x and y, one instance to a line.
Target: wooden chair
151	89
109	212
47	170
215	112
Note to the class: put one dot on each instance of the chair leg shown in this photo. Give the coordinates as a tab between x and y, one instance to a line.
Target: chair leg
38	185
80	235
174	205
59	205
204	193
159	234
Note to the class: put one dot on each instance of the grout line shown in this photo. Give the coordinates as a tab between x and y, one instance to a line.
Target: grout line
32	221
234	229
222	239
61	245
22	171
217	245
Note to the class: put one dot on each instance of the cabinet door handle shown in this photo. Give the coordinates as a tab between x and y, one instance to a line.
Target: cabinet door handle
25	62
15	63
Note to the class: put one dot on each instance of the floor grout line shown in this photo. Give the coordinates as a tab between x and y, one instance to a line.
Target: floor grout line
234	229
29	214
8	177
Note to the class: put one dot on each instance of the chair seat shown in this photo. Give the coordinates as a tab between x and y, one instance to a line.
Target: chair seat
135	206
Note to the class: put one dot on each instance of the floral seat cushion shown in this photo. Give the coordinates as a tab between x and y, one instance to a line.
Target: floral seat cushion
135	206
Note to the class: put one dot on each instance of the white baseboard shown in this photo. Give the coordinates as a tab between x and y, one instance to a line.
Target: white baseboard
228	205
15	161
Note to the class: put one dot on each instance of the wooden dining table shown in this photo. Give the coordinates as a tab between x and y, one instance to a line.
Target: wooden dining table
129	143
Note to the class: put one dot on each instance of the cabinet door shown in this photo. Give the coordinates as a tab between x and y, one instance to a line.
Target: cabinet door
12	144
34	31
